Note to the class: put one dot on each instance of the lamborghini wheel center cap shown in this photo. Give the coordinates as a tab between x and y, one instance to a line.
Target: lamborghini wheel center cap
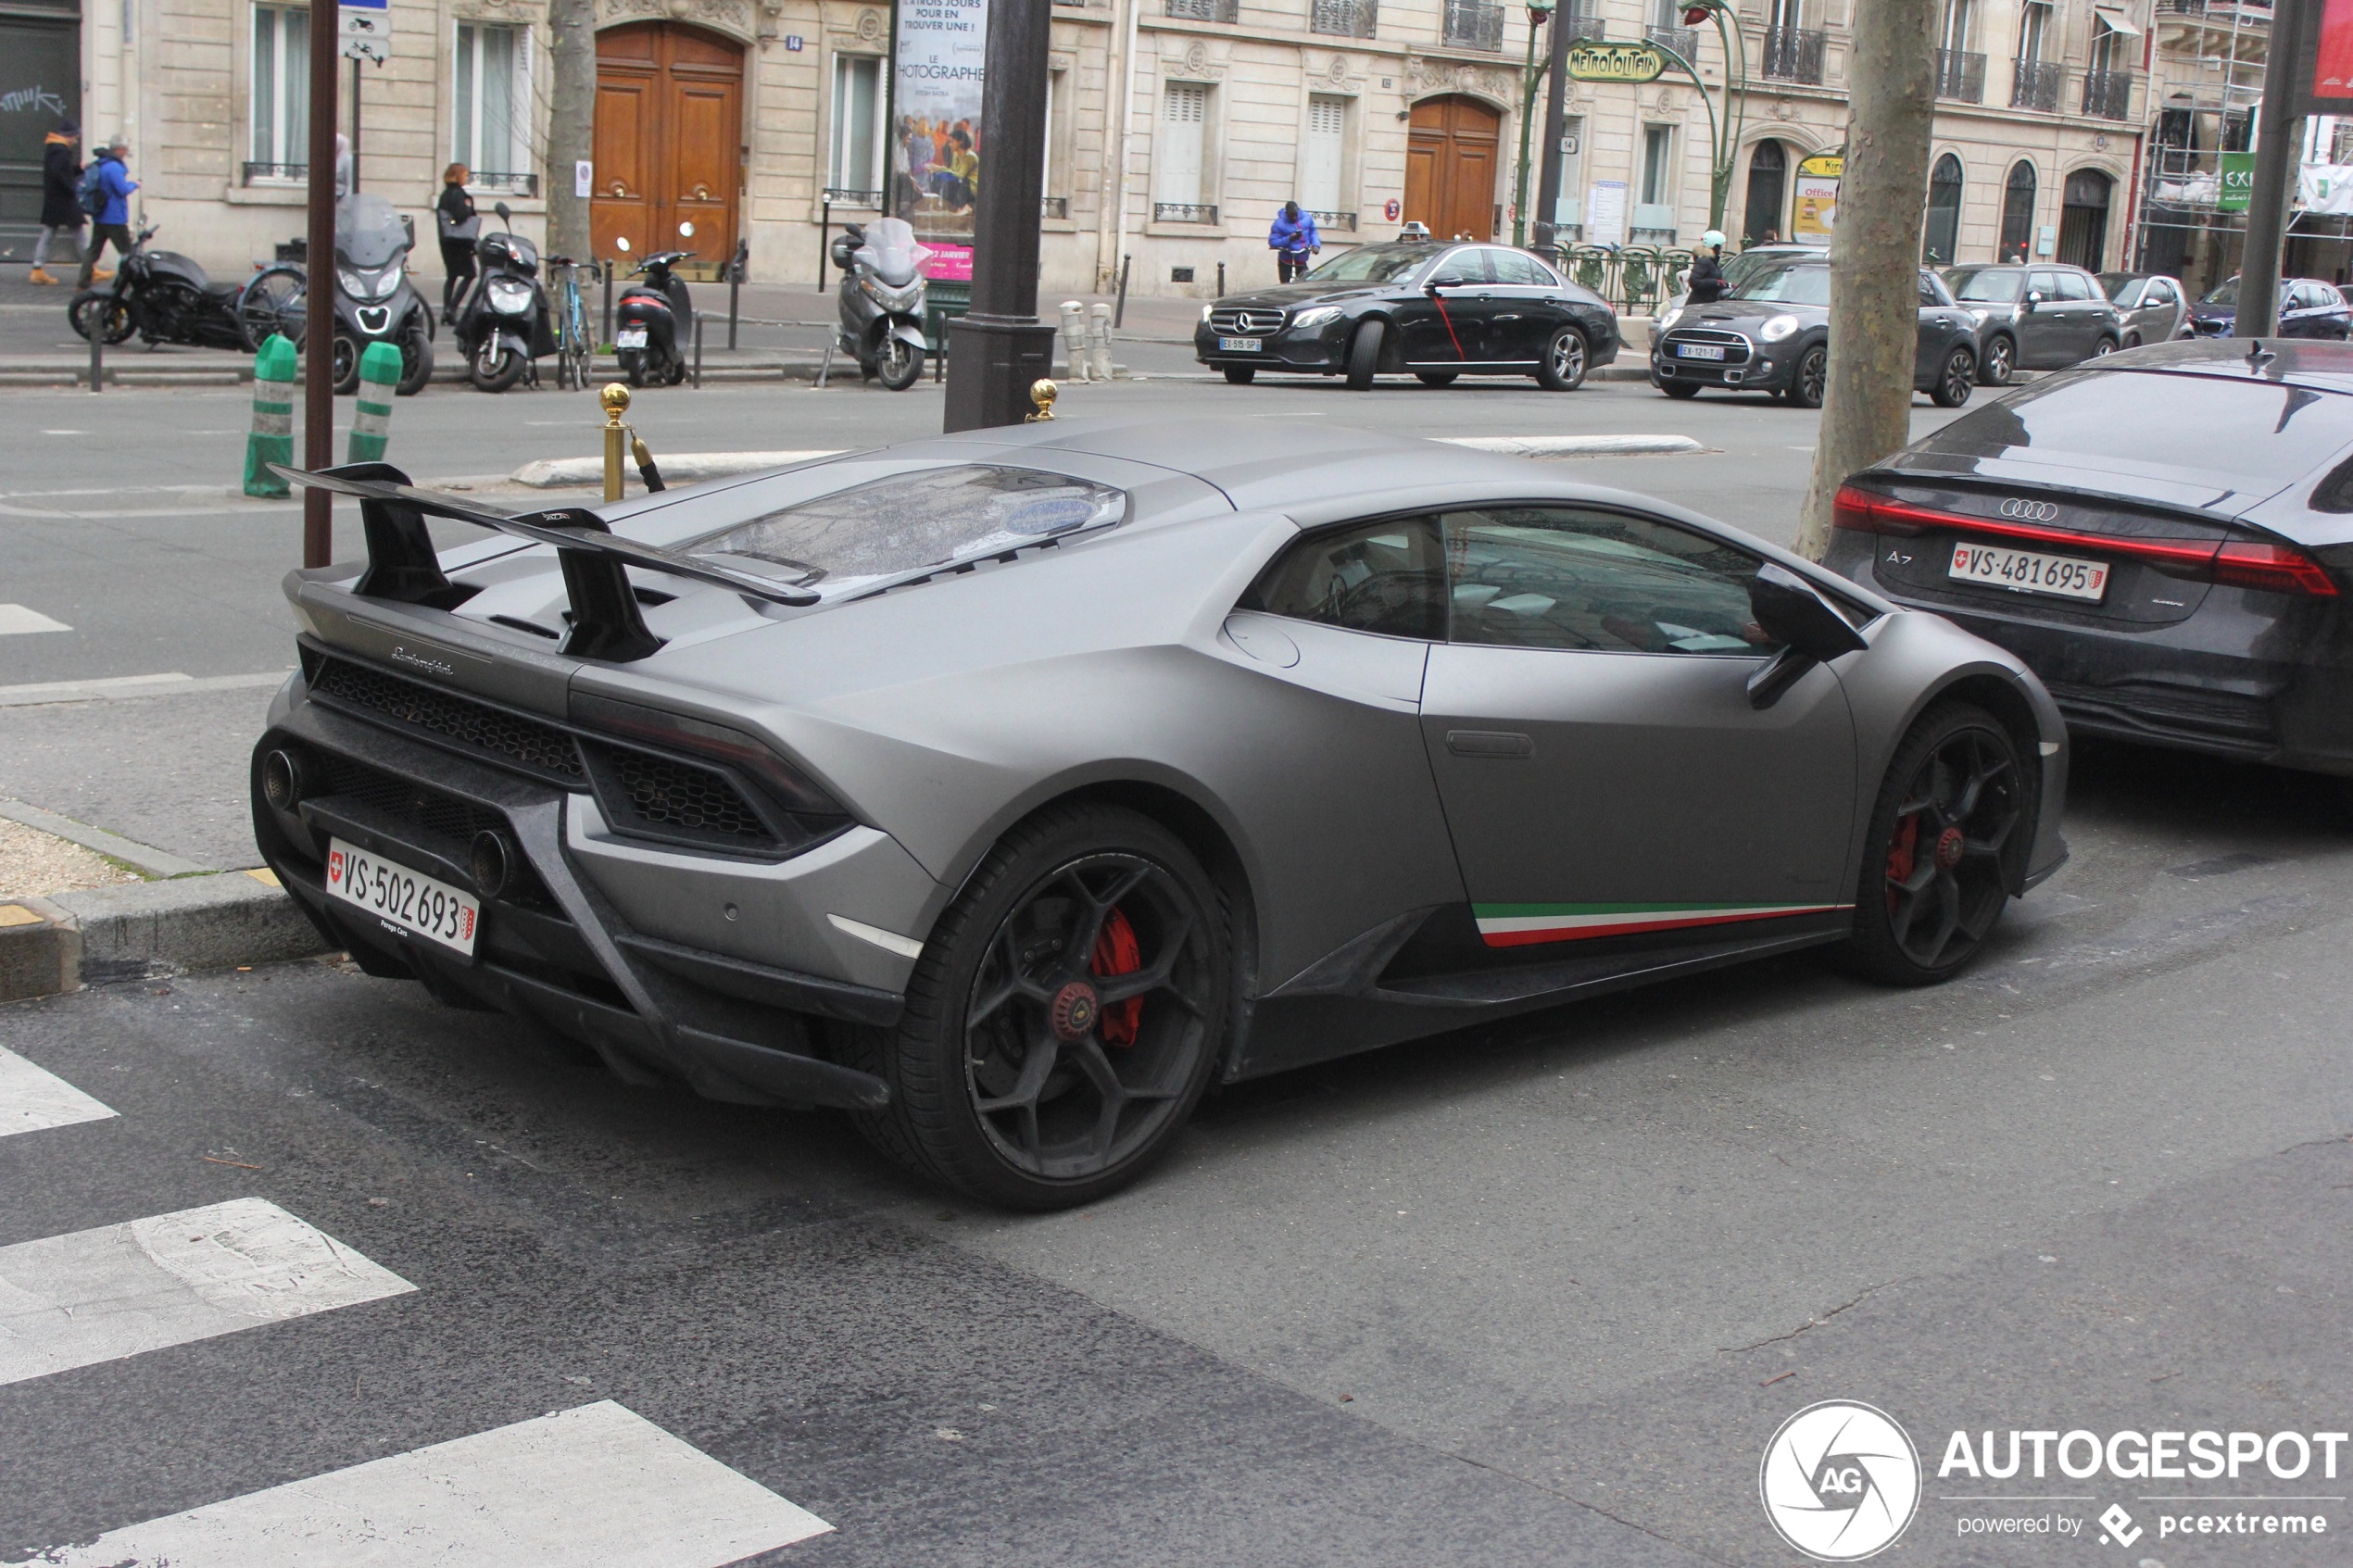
1074	1011
1949	844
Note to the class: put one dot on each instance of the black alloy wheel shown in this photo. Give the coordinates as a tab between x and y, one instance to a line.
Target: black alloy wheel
1958	380
1566	358
2132	340
1946	837
1438	377
1240	375
495	367
416	356
899	364
346	366
2103	349
1364	357
100	310
1810	378
1680	388
1999	363
1066	1014
633	365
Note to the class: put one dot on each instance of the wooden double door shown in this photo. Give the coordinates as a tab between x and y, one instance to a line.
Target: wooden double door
1449	167
669	140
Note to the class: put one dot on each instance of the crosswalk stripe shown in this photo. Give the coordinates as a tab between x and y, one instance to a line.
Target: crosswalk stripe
597	1483
32	1098
99	1295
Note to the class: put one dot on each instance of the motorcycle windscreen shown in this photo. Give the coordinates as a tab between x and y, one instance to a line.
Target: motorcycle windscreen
891	252
369	233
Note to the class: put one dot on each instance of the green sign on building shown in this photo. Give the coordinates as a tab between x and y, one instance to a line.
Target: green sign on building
2238	179
1615	62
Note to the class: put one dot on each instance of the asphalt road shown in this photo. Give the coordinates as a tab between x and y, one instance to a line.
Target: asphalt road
1533	1294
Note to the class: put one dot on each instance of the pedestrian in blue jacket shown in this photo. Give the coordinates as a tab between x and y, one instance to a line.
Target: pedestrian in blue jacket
113	225
1293	239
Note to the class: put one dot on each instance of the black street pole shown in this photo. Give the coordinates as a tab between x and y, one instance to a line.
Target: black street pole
1548	182
998	350
318	295
2278	128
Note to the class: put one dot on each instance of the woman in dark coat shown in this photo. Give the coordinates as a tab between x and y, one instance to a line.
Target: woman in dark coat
454	217
62	214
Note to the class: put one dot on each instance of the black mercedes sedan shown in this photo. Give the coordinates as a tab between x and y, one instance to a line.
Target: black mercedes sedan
1433	312
2165	535
1771	334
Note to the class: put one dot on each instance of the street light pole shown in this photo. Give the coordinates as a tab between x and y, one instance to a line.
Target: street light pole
1548	180
1539	12
2277	121
319	290
1001	347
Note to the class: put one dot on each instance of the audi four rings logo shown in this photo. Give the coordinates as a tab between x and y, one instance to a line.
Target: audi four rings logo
2024	510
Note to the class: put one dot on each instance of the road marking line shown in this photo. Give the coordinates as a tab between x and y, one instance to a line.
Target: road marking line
124	687
597	1483
32	1098
94	1295
17	620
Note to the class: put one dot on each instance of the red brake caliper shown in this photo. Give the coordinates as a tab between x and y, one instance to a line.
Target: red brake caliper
1901	847
1117	952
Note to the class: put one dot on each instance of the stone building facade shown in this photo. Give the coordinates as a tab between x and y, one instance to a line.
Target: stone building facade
1176	128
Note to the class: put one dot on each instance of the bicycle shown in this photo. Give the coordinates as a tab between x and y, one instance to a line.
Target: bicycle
574	344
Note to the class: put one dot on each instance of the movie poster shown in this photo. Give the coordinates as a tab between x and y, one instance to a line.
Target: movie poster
2331	50
935	142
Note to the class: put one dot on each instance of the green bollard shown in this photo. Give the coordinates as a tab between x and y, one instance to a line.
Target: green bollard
273	437
371	421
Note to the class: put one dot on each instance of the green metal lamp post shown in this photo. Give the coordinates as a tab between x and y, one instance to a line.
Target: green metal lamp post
1539	13
1723	129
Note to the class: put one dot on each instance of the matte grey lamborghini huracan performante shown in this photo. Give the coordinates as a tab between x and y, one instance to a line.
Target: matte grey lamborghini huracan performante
1006	788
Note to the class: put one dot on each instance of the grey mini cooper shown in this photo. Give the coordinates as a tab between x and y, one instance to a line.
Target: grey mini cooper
1006	789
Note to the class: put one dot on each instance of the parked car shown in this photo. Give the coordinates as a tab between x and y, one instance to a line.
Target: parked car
1434	311
2166	536
2309	307
2156	309
2037	316
1008	788
1772	334
1737	267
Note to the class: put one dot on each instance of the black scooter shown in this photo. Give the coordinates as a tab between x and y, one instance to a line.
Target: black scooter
374	300
650	322
166	297
504	326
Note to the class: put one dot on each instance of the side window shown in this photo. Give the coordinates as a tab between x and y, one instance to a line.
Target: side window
1559	577
2045	283
1928	293
1385	577
2075	285
1511	267
2158	293
1469	265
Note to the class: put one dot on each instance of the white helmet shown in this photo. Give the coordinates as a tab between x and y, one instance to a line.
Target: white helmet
1713	239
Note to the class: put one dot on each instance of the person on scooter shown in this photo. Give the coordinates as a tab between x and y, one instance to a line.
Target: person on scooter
1708	270
1294	240
460	226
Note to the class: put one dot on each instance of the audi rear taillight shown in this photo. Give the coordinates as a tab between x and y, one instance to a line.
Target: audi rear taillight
2242	563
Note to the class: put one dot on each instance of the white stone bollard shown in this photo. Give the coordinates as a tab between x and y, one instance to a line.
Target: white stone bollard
1099	341
1074	338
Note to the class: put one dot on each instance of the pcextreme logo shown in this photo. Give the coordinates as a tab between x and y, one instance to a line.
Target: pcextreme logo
1840	1481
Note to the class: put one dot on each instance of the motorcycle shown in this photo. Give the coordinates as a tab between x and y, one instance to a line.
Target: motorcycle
166	297
374	300
646	323
881	300
504	326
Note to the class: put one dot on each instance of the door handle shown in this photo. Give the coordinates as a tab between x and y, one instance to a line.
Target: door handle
1489	743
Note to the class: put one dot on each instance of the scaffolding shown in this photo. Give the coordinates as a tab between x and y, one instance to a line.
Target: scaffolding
2212	66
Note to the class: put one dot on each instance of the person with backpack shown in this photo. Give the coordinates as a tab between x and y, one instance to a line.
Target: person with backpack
62	214
1293	239
105	197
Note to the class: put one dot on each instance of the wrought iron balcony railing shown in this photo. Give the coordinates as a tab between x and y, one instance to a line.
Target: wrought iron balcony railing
1344	221
1584	23
1183	212
1344	19
1203	10
2034	85
1960	76
276	173
1791	54
2107	95
1684	41
1474	24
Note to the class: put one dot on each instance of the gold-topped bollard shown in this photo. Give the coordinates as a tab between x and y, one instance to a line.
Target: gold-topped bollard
1042	393
614	399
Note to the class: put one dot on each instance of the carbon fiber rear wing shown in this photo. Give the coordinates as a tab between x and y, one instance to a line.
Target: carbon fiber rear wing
606	623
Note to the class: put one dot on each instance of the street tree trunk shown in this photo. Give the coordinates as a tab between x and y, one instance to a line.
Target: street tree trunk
1875	252
572	122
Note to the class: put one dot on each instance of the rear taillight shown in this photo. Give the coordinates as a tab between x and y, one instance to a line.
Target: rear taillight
2243	563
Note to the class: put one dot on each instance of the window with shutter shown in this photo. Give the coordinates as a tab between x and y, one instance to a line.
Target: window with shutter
1319	164
1184	112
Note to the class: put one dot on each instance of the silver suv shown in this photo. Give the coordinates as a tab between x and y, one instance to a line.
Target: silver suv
2036	316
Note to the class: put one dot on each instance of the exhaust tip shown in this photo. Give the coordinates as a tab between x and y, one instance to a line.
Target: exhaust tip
491	862
284	779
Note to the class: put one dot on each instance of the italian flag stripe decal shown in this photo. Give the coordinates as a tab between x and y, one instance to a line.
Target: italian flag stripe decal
1517	925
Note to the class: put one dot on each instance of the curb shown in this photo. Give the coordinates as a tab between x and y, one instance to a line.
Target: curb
108	933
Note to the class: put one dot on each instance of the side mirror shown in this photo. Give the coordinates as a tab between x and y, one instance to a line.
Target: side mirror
2033	299
1449	281
506	214
1791	613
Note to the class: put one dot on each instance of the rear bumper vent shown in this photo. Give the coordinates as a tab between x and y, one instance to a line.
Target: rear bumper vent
537	748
